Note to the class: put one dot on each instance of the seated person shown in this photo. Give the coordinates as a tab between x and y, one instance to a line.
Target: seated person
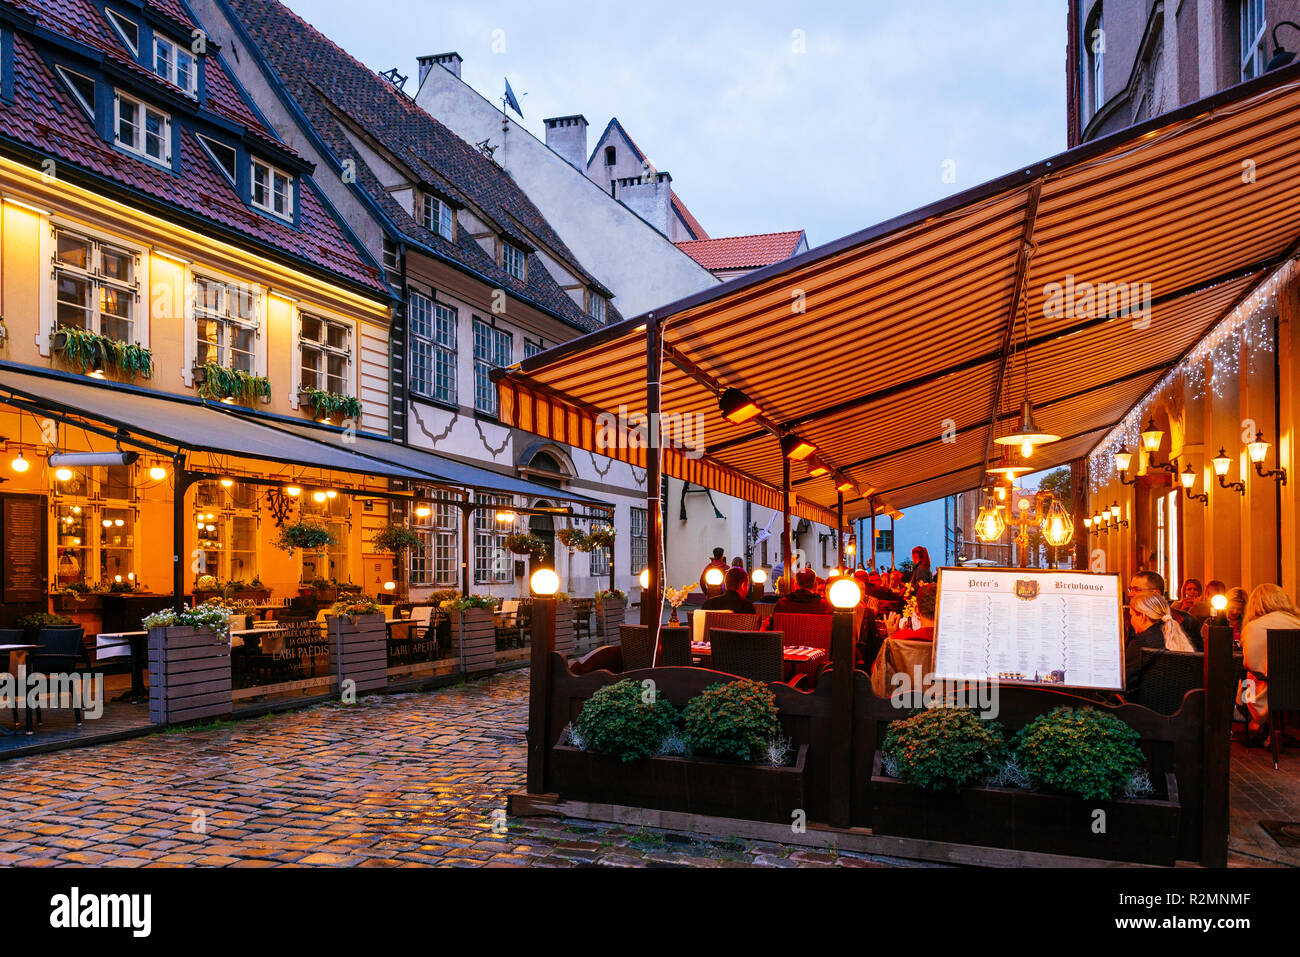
1145	584
1202	608
732	599
926	596
1268	607
803	600
1153	626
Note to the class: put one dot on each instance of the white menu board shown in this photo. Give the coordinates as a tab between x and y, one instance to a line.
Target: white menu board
1029	626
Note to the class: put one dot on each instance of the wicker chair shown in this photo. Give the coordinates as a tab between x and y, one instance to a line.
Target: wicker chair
1283	681
808	631
675	647
757	655
1166	677
635	642
62	651
731	620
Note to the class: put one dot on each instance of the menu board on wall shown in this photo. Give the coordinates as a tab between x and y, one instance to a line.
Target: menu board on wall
1029	626
22	527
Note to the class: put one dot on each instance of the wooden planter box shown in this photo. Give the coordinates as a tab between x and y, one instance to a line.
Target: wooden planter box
189	675
66	603
754	792
199	374
565	642
359	650
610	614
1140	830
474	632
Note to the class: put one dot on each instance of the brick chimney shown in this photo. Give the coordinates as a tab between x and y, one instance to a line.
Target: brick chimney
650	197
567	135
449	61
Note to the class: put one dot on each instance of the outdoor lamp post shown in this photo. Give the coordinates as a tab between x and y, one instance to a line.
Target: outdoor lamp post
844	597
1258	453
1220	605
757	583
544	583
1188	478
1223	462
713	581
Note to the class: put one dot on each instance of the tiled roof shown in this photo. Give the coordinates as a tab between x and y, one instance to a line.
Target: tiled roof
688	218
679	207
333	89
743	252
43	116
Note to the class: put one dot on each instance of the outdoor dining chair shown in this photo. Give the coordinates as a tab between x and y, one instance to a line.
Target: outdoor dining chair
1283	681
757	655
13	636
809	631
635	642
62	651
1165	678
675	647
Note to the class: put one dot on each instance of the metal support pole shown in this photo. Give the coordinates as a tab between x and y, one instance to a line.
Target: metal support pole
539	687
180	483
465	543
839	531
841	751
787	556
652	595
872	502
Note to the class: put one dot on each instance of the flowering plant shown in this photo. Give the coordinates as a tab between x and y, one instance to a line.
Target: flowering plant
215	618
355	605
471	601
613	593
677	596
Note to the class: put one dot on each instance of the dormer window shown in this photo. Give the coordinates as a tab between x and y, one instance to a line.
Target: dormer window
175	65
596	307
142	129
127	29
223	154
438	217
513	261
611	156
272	190
82	88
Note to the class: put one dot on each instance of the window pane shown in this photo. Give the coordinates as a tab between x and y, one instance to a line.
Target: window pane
311	328
421	353
116	264
185	71
127	122
73	250
337	336
243	547
72	295
338	374
73	534
162	64
155	135
117	538
208	334
311	369
241	347
115	313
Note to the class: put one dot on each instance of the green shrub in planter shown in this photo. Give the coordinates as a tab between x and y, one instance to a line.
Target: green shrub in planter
1080	751
734	720
944	749
626	721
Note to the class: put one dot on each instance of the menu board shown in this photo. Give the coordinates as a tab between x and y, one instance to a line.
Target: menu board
1028	626
22	524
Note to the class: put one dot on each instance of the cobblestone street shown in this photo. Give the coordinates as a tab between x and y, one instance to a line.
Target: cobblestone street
400	780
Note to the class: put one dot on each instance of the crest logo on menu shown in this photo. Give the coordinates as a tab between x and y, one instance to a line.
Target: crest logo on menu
1026	590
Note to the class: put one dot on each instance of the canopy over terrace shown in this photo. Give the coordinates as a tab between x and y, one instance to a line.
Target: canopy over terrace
902	351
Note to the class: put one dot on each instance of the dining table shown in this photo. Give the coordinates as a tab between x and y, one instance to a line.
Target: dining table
802	659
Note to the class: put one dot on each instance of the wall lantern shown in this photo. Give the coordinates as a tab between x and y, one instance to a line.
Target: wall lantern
1123	460
1188	478
1281	55
1222	463
1258	453
1152	436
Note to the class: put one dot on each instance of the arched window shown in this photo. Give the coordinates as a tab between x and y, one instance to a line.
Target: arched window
611	156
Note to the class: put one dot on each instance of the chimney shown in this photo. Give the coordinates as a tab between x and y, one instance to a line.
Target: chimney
567	135
450	61
650	197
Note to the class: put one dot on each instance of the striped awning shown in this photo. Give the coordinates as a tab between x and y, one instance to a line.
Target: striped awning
901	351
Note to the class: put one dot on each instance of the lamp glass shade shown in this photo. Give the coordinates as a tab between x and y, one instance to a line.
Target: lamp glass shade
1188	478
737	407
759	577
1222	463
293	491
644	578
1027	433
1058	528
989	524
713	576
845	593
20	464
422	511
157	473
1219	602
1114	511
63	475
505	518
544	582
1123	459
1152	437
1258	449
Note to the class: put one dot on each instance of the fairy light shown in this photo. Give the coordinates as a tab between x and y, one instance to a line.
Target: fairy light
1213	364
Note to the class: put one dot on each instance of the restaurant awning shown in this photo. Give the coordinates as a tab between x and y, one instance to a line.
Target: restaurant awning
187	424
439	469
900	351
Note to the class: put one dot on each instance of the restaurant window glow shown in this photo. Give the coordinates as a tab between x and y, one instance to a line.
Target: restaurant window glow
737	407
796	449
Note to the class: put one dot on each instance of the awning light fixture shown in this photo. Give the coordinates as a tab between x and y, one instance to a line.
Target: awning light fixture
737	408
796	449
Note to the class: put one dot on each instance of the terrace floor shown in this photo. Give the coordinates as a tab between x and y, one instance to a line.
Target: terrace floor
402	780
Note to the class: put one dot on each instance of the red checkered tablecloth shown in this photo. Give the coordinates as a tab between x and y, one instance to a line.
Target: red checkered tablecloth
804	658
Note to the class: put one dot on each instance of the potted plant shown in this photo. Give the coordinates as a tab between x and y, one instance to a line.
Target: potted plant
473	630
611	607
676	597
33	623
723	755
304	534
524	543
219	383
571	537
945	775
602	536
328	404
358	640
189	663
89	351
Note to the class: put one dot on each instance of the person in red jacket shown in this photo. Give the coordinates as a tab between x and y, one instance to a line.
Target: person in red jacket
803	599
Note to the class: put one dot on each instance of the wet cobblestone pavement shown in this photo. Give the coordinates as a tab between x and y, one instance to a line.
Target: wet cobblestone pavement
400	780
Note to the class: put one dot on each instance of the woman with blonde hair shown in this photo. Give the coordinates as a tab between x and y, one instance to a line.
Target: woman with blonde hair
1267	607
1153	627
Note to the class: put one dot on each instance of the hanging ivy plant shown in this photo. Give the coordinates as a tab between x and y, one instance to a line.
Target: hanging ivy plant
329	403
87	351
574	538
306	535
396	539
522	543
222	383
601	537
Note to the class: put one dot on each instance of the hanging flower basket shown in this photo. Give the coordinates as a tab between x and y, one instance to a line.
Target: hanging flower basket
601	537
329	404
397	539
305	535
522	543
219	383
574	538
88	351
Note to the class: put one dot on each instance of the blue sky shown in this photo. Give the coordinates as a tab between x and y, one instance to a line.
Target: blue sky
757	135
